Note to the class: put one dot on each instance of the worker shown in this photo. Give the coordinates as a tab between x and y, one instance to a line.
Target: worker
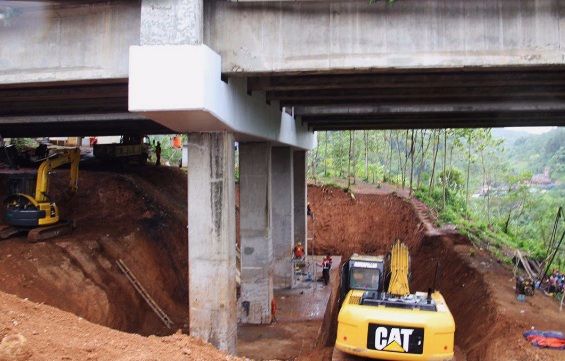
42	151
298	251
309	211
158	153
273	311
326	266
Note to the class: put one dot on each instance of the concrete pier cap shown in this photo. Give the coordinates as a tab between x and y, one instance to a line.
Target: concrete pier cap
180	86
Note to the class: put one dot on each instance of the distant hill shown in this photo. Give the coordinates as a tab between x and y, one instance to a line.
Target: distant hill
508	135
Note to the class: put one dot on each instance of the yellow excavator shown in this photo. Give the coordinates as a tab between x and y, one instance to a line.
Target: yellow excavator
34	211
379	317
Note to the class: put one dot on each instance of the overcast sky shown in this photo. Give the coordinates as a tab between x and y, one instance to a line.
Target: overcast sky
532	130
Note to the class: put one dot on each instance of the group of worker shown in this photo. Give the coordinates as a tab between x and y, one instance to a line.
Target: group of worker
298	254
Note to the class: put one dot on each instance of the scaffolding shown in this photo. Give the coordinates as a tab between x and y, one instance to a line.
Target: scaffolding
304	269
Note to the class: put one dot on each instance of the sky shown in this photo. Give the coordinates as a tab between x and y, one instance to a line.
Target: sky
532	130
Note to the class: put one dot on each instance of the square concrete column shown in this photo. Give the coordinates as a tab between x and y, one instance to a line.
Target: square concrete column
300	198
283	215
211	235
255	232
172	22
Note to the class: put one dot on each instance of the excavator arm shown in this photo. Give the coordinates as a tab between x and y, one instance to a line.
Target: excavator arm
399	270
66	156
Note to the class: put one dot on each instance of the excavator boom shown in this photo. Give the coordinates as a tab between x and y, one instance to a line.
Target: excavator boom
66	156
400	269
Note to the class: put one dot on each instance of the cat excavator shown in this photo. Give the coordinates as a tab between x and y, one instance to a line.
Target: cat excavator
379	318
30	208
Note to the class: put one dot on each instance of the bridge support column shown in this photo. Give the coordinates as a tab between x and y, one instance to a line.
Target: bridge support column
300	197
283	215
211	234
255	232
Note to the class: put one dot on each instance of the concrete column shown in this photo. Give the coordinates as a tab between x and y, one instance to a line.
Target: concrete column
172	22
283	215
211	234
300	198
255	232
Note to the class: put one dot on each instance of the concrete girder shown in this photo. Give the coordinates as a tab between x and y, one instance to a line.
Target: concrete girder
413	34
79	125
422	120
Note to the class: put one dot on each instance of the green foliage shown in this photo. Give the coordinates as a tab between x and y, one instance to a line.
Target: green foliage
22	144
168	152
488	192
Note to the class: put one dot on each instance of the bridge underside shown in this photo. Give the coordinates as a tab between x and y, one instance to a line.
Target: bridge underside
397	99
458	98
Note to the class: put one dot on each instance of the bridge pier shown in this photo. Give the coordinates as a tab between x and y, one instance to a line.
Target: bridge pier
175	80
300	196
283	214
211	231
255	225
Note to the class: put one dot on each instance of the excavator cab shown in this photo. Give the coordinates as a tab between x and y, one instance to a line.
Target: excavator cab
365	273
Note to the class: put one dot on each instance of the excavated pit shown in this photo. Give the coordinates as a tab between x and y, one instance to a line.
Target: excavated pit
369	224
140	216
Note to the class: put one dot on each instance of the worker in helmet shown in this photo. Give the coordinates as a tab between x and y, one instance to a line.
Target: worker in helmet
298	251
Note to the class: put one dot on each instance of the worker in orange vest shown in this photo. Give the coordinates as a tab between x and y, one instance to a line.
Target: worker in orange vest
298	251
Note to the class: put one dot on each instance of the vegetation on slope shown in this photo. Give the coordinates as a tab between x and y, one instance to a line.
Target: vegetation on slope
493	190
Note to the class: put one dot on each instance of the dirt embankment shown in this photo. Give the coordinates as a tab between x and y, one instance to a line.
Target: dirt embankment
139	216
136	217
479	290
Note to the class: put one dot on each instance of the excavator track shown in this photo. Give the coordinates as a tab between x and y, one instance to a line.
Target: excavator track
44	233
7	231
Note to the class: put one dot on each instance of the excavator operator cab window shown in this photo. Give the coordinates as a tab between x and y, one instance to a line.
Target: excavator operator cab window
365	278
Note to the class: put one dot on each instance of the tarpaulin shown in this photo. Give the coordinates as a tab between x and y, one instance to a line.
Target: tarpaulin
546	339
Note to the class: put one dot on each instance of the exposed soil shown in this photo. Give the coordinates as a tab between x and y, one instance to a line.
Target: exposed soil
139	216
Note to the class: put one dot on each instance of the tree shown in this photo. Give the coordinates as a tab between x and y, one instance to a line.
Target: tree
411	161
435	152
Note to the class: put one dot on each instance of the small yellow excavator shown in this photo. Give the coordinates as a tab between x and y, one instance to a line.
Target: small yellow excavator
379	317
34	211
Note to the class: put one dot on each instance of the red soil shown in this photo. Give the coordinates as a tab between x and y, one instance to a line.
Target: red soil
139	216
